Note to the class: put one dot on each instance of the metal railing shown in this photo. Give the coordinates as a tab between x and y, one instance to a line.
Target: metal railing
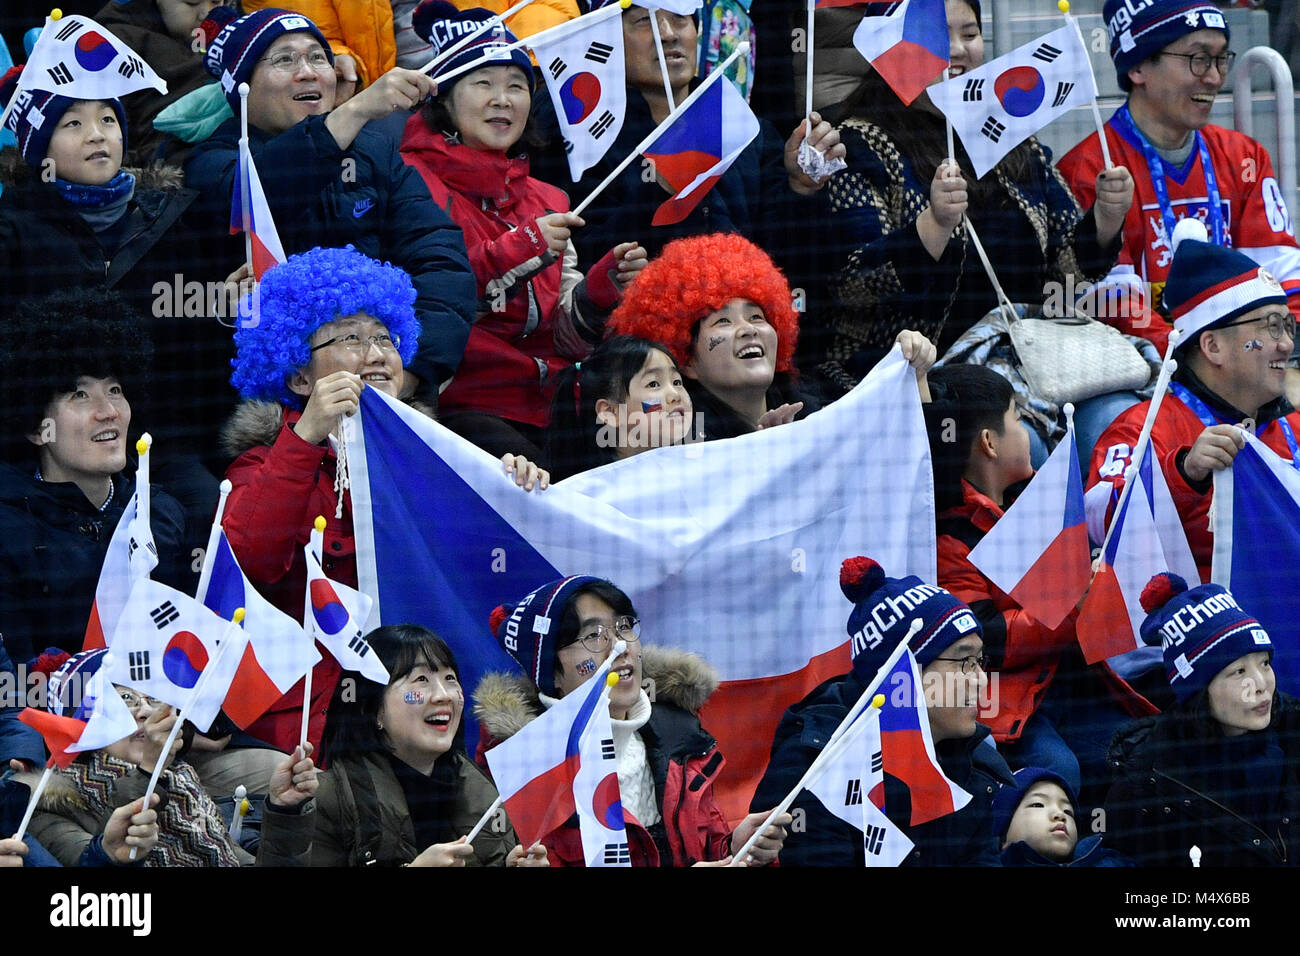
1244	118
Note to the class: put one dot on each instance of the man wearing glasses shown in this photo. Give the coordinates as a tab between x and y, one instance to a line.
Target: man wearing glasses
1172	58
1235	347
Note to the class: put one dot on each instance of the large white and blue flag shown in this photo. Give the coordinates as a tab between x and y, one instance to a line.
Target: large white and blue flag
729	548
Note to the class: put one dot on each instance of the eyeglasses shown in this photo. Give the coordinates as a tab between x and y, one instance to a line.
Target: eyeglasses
358	343
136	701
1276	323
599	637
968	664
292	62
1199	63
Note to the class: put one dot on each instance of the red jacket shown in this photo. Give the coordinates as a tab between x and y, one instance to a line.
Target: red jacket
683	757
280	484
1024	652
1254	212
536	314
1175	431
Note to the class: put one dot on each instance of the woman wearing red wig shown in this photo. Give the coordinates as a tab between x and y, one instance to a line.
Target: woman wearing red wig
726	312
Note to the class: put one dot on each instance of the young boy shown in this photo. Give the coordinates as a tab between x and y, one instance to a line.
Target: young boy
1035	822
978	465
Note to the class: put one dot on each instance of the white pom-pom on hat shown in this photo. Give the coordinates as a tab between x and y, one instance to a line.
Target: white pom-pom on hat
1189	227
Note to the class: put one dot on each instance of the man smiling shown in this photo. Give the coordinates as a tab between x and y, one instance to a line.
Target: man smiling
330	182
1172	58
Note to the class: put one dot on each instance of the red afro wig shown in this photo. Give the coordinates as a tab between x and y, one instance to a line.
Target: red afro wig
695	276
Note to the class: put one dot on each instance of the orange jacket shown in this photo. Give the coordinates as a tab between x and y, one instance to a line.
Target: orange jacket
537	16
361	29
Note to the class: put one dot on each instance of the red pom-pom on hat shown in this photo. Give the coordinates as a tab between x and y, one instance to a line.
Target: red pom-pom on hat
50	661
860	577
1160	590
497	618
216	21
9	83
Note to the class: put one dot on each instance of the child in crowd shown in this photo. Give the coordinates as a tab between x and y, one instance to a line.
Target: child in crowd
1035	818
627	397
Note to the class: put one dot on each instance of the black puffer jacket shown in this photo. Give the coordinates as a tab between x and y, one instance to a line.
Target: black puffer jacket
52	546
964	838
45	245
1175	789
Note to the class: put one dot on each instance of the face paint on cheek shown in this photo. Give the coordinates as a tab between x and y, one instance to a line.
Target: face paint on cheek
1253	345
648	407
413	697
586	667
715	341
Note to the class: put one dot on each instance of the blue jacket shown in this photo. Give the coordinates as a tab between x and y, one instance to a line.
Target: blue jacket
365	196
964	838
1087	853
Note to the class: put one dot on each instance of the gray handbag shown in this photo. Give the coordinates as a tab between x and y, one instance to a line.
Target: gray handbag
1075	358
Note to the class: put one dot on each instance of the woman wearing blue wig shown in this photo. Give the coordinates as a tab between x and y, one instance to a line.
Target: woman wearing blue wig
330	322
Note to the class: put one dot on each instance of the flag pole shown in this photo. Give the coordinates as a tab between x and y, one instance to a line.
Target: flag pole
316	544
1144	437
497	54
838	740
663	64
808	68
712	78
1064	7
143	500
209	553
482	821
36	796
176	727
947	75
241	808
1008	310
487	24
245	191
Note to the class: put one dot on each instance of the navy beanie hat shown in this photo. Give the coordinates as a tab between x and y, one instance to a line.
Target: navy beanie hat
527	630
37	114
1009	796
884	611
442	26
235	53
65	692
1202	631
1140	28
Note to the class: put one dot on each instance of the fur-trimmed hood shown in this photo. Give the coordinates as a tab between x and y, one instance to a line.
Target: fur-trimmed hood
506	703
254	424
159	175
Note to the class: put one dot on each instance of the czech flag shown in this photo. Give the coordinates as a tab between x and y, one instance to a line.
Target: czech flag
1148	538
1038	552
907	747
535	772
249	209
698	146
908	47
749	580
278	654
1257	547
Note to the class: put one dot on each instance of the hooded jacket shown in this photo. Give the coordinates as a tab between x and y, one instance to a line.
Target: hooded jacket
536	314
365	196
964	838
164	266
52	546
77	803
363	818
683	757
1088	852
1175	789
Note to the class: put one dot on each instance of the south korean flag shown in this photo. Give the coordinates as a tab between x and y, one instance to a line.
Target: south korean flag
583	69
853	788
595	790
998	106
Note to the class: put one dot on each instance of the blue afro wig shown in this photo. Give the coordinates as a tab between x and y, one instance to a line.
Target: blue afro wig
299	296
